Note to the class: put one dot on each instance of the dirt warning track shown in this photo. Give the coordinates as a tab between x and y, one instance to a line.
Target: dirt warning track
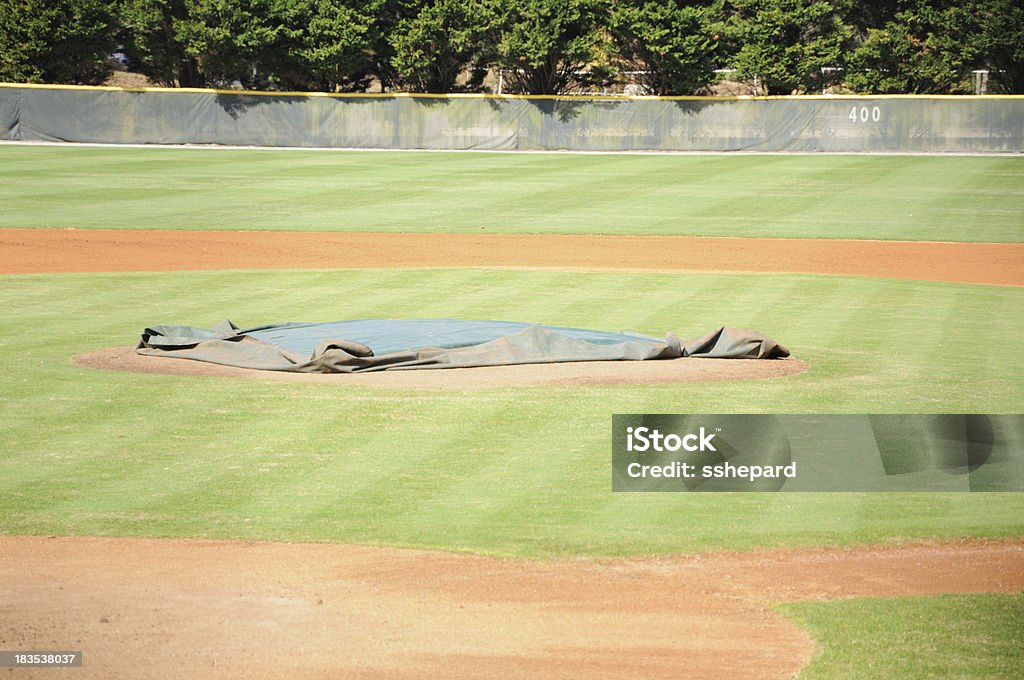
95	250
218	609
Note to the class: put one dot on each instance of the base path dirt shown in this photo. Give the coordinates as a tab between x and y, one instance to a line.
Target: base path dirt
209	609
70	250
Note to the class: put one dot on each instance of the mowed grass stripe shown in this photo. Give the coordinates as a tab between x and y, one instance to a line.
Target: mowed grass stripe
961	636
544	476
959	317
881	197
510	472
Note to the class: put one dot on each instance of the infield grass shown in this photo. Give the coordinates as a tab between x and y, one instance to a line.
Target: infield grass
951	636
523	472
859	197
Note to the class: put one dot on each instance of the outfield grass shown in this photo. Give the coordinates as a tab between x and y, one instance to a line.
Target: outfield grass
511	471
876	197
952	636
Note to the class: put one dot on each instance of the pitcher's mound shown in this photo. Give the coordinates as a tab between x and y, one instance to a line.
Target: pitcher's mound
525	375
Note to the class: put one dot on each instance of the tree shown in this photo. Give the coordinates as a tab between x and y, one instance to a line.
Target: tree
993	34
329	43
153	42
904	56
231	41
931	46
65	42
542	45
672	43
787	45
862	16
285	44
442	38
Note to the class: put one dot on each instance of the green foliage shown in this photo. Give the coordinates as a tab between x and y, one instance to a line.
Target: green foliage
864	15
544	44
787	45
330	44
433	46
63	42
153	42
291	45
914	52
22	40
931	46
673	44
231	41
994	32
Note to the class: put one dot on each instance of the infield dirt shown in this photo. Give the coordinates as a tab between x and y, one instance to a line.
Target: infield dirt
94	250
210	609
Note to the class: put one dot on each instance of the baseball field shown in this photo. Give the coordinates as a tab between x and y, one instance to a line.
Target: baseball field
171	524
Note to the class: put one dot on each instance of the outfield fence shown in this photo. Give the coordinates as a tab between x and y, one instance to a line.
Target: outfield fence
876	124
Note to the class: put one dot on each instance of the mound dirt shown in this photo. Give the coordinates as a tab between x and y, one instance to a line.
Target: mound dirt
487	377
212	609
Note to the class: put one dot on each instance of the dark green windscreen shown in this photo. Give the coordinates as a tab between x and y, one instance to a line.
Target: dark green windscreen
834	124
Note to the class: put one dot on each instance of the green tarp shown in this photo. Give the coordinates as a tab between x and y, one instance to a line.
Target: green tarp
375	345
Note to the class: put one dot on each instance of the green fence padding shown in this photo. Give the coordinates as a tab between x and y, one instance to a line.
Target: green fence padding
833	124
